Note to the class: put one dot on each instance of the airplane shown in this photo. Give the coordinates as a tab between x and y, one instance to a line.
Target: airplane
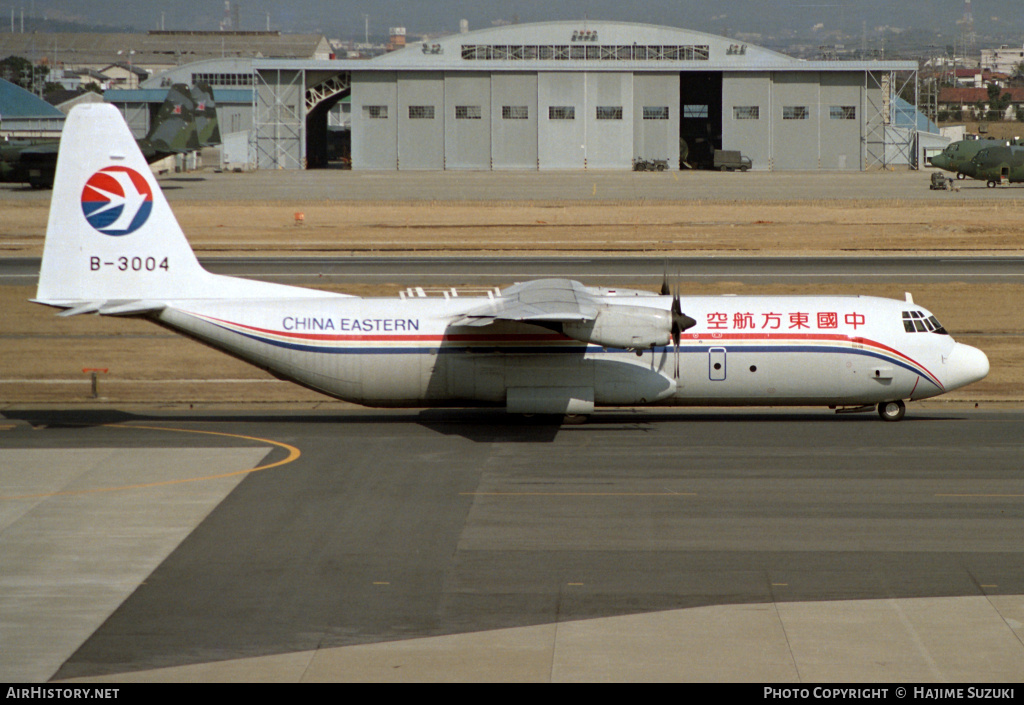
994	164
957	156
546	347
174	130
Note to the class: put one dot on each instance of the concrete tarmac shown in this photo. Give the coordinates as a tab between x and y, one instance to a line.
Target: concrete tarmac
694	545
564	186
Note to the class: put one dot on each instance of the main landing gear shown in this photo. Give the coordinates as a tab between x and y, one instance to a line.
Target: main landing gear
892	410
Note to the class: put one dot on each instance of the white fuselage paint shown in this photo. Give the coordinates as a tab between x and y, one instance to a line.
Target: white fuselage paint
743	351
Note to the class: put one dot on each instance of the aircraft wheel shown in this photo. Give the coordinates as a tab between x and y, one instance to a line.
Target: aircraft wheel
960	176
575	419
892	410
991	184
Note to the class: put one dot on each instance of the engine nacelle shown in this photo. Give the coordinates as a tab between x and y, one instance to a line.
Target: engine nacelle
633	327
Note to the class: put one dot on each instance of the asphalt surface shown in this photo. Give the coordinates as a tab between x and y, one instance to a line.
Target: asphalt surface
335	185
394	527
779	546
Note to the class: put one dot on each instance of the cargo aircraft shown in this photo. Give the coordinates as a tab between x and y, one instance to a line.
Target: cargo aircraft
957	156
549	346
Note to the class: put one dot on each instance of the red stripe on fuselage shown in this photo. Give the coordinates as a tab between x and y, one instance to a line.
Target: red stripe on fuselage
555	337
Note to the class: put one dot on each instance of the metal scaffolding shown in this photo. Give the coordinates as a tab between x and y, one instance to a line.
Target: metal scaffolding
279	124
282	100
890	133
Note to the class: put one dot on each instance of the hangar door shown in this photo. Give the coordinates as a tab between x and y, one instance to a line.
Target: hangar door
514	120
796	138
700	116
421	112
585	120
656	117
467	121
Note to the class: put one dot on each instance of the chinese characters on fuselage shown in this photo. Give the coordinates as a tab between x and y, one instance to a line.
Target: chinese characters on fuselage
797	320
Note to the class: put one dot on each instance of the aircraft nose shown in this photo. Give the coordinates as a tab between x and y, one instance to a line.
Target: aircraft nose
964	366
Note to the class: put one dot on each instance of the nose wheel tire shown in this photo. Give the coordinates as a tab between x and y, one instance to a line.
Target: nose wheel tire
892	410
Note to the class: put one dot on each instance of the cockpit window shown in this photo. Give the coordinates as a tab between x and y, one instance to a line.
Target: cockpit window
916	322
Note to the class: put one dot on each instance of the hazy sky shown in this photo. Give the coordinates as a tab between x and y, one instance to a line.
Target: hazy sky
334	17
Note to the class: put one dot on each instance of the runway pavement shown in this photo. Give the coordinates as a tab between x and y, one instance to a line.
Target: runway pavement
767	546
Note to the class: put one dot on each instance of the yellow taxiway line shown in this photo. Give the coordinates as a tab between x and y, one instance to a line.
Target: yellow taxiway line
293	454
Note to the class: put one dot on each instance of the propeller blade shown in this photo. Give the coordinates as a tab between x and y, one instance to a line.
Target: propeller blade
680	321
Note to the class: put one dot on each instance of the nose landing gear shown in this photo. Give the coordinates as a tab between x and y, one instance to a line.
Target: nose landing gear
892	410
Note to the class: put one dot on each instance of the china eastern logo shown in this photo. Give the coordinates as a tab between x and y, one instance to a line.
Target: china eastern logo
117	200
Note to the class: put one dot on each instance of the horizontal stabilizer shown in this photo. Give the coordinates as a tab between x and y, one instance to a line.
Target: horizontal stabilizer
91	307
130	308
107	308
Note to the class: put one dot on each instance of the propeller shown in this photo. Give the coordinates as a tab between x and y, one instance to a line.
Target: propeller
680	321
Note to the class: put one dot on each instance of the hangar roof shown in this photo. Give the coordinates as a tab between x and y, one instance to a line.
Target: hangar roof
590	46
17	103
22	111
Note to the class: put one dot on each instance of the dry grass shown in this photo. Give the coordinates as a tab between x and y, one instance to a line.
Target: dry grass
819	227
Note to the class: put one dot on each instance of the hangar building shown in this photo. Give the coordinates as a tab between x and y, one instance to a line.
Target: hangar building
582	95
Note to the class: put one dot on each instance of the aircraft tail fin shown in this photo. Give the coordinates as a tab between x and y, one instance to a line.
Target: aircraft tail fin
207	128
174	129
111	234
113	246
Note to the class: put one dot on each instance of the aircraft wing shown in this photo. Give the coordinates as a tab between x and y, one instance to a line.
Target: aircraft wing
538	301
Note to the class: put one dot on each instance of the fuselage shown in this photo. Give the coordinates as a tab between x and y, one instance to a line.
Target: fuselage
994	164
848	350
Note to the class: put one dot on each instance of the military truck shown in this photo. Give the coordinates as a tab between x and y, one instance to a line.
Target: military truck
730	160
